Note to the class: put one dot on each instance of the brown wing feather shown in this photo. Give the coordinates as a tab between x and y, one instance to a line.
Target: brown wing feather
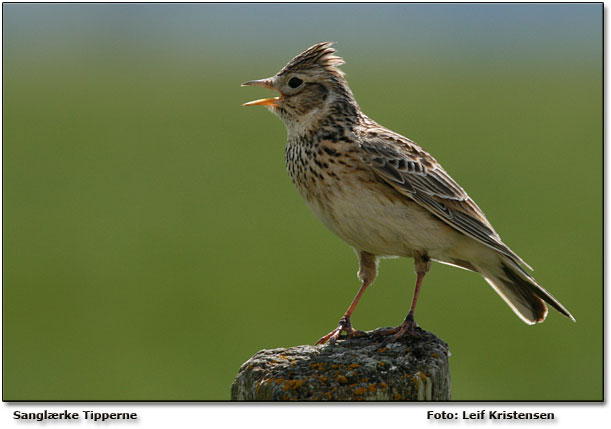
417	175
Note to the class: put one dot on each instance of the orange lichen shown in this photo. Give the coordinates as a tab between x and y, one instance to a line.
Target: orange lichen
342	379
435	355
271	380
383	385
372	388
292	384
328	395
360	390
382	350
353	365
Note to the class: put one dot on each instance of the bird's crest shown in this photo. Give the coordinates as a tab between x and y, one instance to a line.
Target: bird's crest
319	55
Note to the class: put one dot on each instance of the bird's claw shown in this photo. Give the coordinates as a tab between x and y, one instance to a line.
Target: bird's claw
408	327
344	325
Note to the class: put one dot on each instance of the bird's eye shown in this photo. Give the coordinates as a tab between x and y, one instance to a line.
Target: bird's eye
295	82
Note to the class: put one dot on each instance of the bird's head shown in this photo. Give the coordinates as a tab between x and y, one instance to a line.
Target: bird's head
308	85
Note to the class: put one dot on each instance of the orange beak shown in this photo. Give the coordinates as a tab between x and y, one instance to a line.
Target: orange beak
264	83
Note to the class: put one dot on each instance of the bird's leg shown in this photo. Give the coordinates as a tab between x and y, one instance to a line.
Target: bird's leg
368	268
344	324
422	265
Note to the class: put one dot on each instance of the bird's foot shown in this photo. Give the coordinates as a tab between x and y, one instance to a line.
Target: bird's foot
408	327
344	325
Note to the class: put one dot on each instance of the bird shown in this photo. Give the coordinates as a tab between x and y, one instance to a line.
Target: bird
384	195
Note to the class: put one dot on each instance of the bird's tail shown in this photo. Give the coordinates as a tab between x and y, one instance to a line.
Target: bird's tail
520	291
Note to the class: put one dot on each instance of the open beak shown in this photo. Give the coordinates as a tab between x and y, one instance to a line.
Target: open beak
265	83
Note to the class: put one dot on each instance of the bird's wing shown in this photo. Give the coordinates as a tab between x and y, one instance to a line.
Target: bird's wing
417	175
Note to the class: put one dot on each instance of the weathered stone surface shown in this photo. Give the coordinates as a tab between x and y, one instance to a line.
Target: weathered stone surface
411	369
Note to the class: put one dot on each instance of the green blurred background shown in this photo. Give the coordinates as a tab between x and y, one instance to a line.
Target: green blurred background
153	241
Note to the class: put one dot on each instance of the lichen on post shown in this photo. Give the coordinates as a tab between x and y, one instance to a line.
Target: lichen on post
356	369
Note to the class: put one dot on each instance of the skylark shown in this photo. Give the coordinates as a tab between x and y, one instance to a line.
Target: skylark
383	194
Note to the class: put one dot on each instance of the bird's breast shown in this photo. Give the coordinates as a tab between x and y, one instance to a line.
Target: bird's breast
320	168
358	206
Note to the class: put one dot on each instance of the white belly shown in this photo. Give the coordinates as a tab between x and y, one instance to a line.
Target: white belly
371	222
